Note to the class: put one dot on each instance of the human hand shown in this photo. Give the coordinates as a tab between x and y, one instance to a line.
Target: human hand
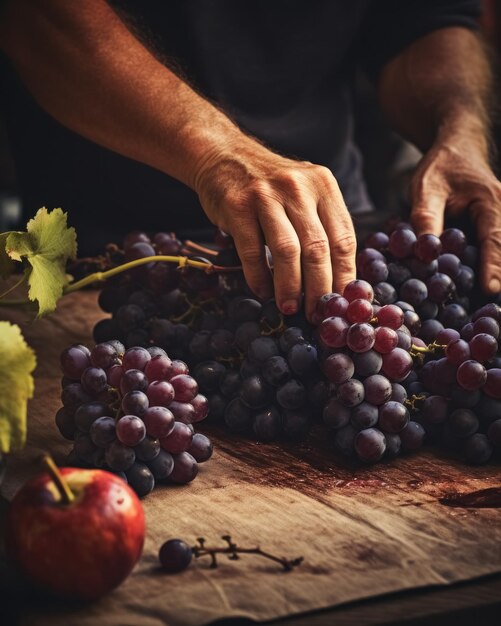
295	208
451	179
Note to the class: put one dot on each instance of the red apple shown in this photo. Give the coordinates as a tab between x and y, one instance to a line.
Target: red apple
81	549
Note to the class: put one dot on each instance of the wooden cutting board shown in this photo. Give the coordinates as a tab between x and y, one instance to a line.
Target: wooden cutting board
363	531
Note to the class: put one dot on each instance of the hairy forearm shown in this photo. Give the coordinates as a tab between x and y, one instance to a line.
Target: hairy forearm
439	88
88	71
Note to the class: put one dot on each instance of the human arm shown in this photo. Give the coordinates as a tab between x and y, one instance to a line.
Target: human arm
92	74
436	93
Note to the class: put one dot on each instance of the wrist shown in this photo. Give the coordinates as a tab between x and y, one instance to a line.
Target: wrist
467	133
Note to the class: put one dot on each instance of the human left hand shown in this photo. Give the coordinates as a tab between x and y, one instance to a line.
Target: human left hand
450	179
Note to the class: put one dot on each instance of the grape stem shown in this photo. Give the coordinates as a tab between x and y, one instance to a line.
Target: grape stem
198	248
431	348
67	496
233	551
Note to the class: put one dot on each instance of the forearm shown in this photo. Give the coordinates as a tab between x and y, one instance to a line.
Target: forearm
439	89
88	71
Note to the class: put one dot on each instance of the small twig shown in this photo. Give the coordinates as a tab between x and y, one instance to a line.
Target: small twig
196	246
233	551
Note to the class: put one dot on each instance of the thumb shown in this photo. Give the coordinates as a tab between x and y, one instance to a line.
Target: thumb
427	215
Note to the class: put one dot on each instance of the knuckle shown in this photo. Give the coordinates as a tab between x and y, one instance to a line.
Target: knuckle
316	250
251	255
345	245
286	249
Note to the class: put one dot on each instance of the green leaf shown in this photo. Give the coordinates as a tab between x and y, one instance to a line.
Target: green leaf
17	362
7	265
47	245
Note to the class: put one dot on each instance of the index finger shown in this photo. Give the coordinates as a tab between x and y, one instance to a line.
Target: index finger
338	225
427	214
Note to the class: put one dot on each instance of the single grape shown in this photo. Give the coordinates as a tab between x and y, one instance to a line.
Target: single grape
148	449
276	371
261	349
114	376
393	417
449	264
457	351
133	380
178	440
404	338
303	361
478	449
378	240
130	430
453	241
414	291
446	335
102	432
363	416
336	307
183	411
179	367
367	363
175	555
398	274
185	469
334	331
94	380
370	445
435	409
74	360
185	387
391	316
427	248
430	330
359	311
245	334
378	389
230	383
159	393
237	416
385	293
161	465
201	406
488	310
412	321
453	316
393	445
360	337
201	448
401	243
367	255
483	347
65	421
129	316
291	395
351	393
159	421
440	287
486	325
135	403
412	436
462	423
358	289
140	479
104	355
375	271
471	375
492	385
87	413
344	440
338	368
398	393
397	364
385	339
158	368
255	392
118	457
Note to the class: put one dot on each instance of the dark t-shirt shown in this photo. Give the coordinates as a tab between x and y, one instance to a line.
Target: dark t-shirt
281	68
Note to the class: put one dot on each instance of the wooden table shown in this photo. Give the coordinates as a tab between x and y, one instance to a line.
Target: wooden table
364	531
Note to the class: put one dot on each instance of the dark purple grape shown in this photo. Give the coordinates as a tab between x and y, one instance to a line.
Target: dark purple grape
393	417
365	415
401	243
351	392
175	555
358	289
201	448
471	375
377	389
370	445
338	368
427	248
335	414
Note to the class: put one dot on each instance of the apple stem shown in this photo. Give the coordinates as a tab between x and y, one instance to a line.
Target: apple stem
67	495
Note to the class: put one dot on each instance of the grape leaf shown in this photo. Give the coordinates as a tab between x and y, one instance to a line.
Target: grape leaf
17	362
6	263
47	244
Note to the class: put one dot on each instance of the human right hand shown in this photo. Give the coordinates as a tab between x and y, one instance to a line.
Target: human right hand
295	208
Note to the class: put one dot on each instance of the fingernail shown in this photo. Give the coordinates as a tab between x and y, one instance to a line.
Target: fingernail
289	307
494	285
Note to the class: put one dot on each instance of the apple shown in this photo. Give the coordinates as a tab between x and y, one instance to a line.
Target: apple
80	543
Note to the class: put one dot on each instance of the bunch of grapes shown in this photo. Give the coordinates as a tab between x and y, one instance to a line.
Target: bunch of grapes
366	356
459	394
132	412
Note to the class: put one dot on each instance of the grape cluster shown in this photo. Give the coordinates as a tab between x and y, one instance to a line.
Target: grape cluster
131	411
366	356
459	394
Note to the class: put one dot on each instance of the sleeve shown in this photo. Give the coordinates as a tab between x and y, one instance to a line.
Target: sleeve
391	25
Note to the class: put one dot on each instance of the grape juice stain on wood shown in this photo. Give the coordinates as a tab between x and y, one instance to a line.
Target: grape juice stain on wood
489	498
